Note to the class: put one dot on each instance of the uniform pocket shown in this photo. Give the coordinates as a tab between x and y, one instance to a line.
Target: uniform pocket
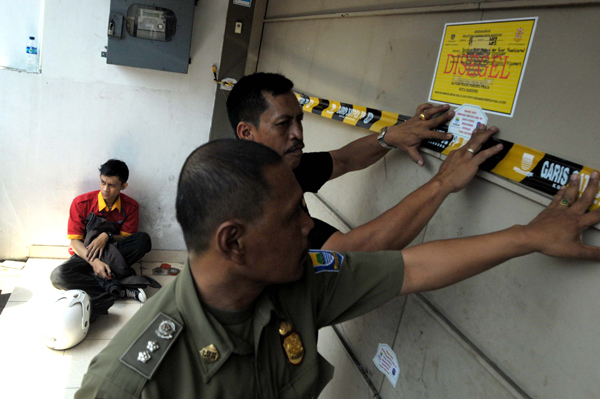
303	383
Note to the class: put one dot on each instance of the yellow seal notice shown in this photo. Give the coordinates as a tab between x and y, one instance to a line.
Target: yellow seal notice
482	63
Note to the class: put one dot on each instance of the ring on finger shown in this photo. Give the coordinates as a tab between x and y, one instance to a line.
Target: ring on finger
565	202
422	116
472	151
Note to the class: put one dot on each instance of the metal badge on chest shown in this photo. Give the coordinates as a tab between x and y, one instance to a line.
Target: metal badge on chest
292	343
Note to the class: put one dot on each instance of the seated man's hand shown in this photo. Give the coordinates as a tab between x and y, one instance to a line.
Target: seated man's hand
557	230
96	247
461	165
101	269
408	135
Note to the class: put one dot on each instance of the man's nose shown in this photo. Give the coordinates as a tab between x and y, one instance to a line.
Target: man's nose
296	131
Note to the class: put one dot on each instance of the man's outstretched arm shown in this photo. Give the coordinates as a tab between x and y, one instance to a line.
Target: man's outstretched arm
397	227
556	231
406	136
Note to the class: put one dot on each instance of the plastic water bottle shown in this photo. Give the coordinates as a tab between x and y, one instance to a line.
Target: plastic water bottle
31	64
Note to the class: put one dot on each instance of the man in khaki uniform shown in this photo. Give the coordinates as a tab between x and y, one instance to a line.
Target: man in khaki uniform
241	320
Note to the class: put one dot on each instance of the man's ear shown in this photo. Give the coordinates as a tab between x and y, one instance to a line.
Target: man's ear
124	186
245	131
229	241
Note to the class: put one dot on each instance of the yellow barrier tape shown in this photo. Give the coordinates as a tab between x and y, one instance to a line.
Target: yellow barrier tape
520	164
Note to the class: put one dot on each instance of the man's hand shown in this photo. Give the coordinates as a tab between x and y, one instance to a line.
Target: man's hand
96	247
408	135
101	269
557	231
461	165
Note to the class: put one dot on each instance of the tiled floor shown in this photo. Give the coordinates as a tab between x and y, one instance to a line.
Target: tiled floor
28	368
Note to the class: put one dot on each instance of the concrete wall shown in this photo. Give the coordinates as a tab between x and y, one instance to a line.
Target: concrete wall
527	328
232	64
58	127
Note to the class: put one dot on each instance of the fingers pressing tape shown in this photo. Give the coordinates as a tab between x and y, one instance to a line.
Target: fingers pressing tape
532	168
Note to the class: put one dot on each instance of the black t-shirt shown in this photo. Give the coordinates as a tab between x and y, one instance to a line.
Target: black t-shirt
314	170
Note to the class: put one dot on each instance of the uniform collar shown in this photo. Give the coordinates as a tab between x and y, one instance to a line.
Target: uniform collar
207	330
102	204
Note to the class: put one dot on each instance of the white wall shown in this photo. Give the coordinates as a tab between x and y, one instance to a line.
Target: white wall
57	128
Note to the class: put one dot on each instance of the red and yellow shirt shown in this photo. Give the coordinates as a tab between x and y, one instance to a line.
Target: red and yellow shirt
124	213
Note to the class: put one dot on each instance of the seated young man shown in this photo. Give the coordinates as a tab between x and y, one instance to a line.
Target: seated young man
103	229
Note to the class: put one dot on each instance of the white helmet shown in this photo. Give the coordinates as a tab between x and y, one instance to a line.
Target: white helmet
67	320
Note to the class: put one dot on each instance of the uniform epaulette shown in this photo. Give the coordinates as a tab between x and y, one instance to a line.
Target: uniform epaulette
326	261
149	349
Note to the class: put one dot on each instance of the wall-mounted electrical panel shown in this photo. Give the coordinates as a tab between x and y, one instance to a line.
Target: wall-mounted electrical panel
150	34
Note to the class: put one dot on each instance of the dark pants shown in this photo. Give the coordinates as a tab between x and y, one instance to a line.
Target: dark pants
77	274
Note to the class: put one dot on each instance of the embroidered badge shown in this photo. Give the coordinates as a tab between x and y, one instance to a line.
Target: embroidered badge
326	261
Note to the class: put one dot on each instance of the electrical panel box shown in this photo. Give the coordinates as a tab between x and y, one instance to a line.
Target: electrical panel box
150	34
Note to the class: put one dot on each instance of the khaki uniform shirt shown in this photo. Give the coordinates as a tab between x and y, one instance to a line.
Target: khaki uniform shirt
324	296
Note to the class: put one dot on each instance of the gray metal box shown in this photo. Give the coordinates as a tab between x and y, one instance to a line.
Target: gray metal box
150	34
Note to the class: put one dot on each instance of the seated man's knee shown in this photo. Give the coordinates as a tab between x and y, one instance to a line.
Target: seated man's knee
145	241
57	278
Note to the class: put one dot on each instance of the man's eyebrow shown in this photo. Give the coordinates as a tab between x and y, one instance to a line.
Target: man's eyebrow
285	116
290	116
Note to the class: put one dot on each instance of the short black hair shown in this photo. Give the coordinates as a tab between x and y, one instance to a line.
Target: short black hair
246	102
222	180
115	167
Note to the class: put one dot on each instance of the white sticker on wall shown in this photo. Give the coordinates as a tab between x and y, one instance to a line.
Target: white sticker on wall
387	362
245	3
228	83
466	118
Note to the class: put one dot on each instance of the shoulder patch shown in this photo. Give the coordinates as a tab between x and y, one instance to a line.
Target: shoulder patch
149	349
326	261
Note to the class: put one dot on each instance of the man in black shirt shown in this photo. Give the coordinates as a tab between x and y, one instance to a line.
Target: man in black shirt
263	108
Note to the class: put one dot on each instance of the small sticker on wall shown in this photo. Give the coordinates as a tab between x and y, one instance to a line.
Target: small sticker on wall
227	84
387	362
245	3
466	119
